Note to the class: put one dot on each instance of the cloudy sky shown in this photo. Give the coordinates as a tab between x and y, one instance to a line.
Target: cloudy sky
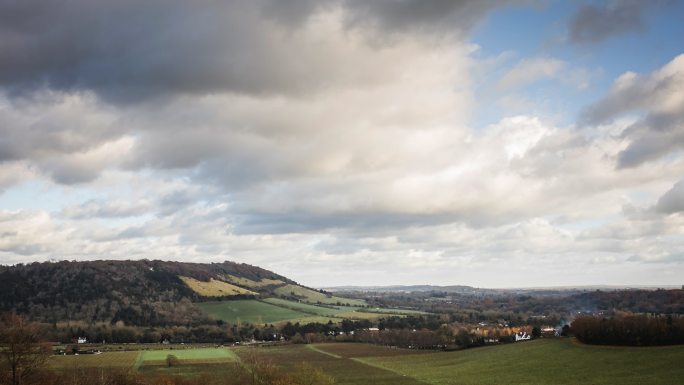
486	143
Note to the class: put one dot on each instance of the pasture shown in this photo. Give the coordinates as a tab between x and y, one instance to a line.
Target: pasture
187	356
546	361
252	311
304	307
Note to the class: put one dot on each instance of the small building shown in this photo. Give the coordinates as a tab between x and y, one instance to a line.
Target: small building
82	340
522	336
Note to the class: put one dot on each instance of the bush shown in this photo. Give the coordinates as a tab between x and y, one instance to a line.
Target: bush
172	360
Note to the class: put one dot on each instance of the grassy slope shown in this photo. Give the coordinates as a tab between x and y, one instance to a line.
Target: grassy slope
543	362
214	288
315	296
251	311
304	307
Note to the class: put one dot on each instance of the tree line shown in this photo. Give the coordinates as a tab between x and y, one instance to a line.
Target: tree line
629	329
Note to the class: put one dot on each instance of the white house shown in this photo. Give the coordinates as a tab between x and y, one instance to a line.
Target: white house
82	340
522	336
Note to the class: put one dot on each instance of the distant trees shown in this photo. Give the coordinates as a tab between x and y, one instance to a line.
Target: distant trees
21	352
630	329
536	332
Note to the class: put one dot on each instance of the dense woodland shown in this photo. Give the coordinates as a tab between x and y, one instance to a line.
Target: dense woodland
630	329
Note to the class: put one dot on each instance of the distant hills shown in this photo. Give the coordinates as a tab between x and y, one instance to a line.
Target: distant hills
461	289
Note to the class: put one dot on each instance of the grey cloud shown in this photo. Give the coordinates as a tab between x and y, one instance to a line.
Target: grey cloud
594	23
422	15
673	200
127	51
656	97
60	134
650	141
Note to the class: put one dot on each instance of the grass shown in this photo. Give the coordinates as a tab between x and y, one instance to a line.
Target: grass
313	296
251	311
304	307
188	356
541	362
215	288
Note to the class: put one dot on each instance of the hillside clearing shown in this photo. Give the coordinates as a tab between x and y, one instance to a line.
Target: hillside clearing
215	288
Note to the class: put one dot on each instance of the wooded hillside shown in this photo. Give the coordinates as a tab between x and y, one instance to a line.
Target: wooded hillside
137	292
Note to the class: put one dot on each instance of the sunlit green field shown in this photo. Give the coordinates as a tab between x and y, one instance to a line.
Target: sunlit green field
549	361
251	311
187	356
542	362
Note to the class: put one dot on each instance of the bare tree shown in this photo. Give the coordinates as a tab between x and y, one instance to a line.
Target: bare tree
21	352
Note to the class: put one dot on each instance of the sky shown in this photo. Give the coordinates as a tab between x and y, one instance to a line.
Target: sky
348	142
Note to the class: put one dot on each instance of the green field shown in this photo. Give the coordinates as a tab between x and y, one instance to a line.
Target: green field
187	356
304	307
256	312
550	361
542	362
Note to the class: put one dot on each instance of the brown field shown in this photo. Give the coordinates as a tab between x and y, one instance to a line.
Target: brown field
345	371
106	360
351	350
